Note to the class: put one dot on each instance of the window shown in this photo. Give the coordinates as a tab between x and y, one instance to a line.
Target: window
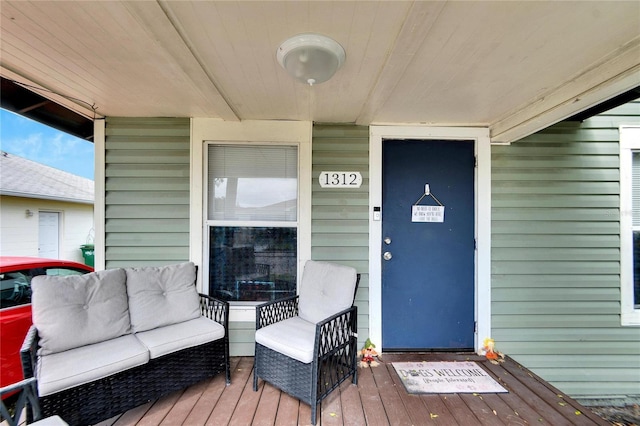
15	286
630	224
252	221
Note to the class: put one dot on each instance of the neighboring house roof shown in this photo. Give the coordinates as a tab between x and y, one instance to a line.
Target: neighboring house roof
20	177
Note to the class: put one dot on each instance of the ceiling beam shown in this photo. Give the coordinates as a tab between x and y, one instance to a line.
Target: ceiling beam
619	72
158	19
415	29
34	106
76	105
22	100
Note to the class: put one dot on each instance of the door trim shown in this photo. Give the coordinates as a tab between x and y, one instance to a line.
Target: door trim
482	181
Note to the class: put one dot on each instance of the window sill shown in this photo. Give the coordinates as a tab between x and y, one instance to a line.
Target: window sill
631	319
242	313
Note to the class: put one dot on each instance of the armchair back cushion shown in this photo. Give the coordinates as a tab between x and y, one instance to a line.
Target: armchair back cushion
326	289
78	310
162	295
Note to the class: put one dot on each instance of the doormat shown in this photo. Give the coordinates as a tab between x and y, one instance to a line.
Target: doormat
446	377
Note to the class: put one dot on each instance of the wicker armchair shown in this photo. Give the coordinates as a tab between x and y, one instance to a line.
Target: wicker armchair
306	344
26	398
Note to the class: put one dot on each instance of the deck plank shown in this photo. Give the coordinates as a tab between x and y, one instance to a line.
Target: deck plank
481	409
287	410
352	411
370	398
209	398
330	410
459	410
223	411
439	414
502	410
131	417
379	399
304	414
248	403
185	404
526	397
391	400
568	407
415	406
160	409
268	406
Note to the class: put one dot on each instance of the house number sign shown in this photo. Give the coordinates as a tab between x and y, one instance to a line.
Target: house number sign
340	179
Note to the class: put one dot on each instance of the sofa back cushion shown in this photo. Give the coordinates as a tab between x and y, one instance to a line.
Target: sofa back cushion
162	295
326	289
78	310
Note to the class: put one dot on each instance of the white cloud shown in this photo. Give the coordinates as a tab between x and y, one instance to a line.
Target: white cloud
45	145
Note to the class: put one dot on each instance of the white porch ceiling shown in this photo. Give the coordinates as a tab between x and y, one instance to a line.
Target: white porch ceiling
515	67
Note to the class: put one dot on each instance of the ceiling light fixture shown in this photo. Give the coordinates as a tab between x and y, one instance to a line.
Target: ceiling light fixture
311	58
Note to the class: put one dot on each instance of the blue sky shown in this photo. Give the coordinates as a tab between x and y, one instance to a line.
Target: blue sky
29	139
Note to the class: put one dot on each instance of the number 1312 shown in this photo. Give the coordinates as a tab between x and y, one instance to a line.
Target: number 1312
340	179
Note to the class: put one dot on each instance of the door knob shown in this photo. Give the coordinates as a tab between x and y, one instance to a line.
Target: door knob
387	240
387	255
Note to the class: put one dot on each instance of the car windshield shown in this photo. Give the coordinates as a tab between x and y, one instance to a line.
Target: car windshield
15	286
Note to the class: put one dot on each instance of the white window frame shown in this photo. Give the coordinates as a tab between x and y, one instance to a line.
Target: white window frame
210	223
629	142
205	130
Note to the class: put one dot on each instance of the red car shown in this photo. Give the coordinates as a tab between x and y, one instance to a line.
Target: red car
15	305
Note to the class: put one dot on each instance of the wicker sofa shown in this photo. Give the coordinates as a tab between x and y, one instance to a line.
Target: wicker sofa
108	341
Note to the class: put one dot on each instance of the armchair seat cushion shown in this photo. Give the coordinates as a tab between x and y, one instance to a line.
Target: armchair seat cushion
183	335
65	370
293	337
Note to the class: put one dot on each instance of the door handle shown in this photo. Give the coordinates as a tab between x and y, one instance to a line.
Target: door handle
387	255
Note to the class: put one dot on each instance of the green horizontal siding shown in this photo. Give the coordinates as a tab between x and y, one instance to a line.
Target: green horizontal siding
556	257
242	338
146	191
340	217
543	280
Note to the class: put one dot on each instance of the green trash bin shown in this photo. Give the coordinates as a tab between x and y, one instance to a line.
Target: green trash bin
87	253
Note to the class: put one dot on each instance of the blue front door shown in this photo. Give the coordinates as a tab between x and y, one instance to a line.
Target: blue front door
428	268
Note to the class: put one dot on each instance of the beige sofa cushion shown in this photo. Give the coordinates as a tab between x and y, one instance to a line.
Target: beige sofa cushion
326	289
78	310
175	337
162	295
65	370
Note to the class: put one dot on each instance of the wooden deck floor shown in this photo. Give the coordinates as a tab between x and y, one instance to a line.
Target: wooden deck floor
378	399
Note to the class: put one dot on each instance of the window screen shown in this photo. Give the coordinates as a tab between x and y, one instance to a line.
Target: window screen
251	183
252	264
252	221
